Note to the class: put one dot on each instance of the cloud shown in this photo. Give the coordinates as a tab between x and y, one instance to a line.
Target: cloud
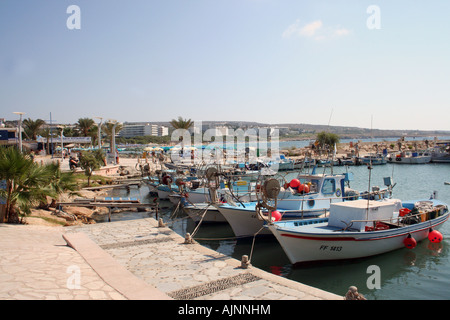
314	30
292	29
341	32
311	29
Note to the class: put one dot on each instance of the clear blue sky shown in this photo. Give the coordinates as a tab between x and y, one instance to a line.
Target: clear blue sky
272	61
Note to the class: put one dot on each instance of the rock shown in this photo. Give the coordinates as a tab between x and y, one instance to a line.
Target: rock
79	211
65	215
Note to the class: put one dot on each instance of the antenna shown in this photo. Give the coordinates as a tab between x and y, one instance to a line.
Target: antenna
329	120
370	168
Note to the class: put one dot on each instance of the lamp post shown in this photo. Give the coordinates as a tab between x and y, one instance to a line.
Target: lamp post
99	133
62	143
113	140
20	128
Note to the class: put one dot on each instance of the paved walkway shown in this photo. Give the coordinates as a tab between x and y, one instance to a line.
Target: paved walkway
36	263
129	260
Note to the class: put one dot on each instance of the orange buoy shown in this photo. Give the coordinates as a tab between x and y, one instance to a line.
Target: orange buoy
435	236
410	242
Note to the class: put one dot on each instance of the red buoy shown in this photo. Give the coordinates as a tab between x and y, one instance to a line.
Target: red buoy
306	188
410	242
275	216
435	236
294	183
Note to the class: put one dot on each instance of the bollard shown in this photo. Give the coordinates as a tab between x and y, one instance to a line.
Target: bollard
244	262
188	239
353	294
161	223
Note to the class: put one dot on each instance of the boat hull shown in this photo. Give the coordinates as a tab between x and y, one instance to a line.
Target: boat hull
197	211
301	247
411	160
245	221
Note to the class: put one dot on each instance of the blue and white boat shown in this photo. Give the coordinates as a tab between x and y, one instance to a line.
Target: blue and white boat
359	229
324	190
281	163
372	159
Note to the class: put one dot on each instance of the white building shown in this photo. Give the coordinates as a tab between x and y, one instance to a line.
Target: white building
163	131
138	129
143	129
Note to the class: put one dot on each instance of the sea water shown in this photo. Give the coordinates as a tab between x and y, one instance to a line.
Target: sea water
420	273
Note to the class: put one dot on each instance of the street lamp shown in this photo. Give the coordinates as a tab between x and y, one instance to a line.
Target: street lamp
113	140
99	133
20	128
62	142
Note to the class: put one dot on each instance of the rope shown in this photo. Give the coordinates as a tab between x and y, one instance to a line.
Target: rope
253	244
200	222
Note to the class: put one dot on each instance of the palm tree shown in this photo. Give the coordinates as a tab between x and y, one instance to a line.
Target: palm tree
84	125
32	127
107	128
181	123
184	124
26	182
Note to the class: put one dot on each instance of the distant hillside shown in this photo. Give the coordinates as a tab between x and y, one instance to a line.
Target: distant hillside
307	130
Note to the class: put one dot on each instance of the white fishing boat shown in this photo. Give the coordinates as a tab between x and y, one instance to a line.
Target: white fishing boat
441	152
410	158
359	229
323	190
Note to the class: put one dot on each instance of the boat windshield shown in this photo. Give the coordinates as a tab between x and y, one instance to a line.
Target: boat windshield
329	186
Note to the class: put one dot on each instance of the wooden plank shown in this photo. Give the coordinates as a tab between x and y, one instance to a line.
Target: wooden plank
108	204
112	186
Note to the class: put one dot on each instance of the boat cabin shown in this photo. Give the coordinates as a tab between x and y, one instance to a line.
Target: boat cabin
356	215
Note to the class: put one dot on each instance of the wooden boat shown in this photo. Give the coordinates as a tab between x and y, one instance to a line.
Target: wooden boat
359	229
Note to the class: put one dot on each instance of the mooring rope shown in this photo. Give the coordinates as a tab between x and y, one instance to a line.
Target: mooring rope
253	244
200	222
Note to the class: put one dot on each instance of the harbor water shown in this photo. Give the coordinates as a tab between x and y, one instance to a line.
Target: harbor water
422	273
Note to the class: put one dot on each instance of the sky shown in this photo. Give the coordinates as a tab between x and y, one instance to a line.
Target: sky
380	64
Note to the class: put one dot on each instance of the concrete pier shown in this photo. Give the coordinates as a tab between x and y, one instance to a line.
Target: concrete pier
172	269
133	260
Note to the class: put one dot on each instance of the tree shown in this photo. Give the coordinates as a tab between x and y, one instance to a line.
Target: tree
31	128
327	140
89	162
84	126
181	123
107	128
62	181
26	182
